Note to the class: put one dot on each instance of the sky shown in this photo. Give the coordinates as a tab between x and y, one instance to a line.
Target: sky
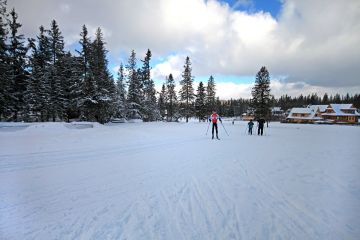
307	46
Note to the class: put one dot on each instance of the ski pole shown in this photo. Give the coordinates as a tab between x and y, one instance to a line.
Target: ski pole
224	128
207	129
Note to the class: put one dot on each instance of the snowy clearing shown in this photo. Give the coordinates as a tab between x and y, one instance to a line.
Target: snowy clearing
170	181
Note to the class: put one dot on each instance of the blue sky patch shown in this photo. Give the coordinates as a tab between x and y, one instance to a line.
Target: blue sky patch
252	6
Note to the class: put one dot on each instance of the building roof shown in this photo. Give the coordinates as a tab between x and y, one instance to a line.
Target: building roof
337	108
311	114
311	111
301	110
322	108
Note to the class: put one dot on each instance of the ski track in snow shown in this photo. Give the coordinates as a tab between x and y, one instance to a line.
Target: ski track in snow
170	181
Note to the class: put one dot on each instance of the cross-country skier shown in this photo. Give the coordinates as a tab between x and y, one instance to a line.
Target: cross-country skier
214	118
250	125
261	122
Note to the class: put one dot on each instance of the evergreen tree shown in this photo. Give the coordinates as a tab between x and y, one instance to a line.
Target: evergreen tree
105	90
200	106
162	102
221	108
88	100
150	109
356	101
135	89
336	99
18	77
314	99
30	96
210	95
4	67
71	69
261	98
325	99
56	46
171	99
87	83
347	98
187	91
121	93
85	52
40	63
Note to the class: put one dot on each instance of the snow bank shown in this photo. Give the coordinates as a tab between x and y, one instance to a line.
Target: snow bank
11	127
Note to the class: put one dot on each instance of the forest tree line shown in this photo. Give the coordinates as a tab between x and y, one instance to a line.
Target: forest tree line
41	81
235	107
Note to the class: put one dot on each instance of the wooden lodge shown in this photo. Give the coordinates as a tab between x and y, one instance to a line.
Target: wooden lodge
341	113
332	113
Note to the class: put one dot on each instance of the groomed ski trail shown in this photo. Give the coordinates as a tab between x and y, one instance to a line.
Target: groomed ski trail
168	181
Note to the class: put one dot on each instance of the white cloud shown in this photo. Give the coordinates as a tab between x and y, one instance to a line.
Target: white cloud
116	69
173	64
314	42
233	90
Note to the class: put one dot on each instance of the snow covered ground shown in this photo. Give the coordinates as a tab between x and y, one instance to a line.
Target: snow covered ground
170	181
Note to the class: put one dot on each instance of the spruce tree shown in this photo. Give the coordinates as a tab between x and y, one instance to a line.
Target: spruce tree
171	99
121	93
135	89
39	88
325	99
200	106
261	98
88	99
210	95
162	102
71	69
87	84
150	109
30	96
85	52
56	45
105	90
187	91
337	98
18	77
4	67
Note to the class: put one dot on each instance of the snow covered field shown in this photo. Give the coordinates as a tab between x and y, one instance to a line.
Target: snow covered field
170	181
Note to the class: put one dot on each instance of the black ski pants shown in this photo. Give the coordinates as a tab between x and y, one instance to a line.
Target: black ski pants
260	130
214	126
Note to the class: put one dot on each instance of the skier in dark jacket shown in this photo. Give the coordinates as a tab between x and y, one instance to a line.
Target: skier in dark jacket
214	118
250	125
261	122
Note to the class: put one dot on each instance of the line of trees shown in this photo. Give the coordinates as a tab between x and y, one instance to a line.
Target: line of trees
40	81
235	107
287	102
187	103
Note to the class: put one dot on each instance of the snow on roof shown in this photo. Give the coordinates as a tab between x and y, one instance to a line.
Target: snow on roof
321	108
338	110
338	107
301	110
309	111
